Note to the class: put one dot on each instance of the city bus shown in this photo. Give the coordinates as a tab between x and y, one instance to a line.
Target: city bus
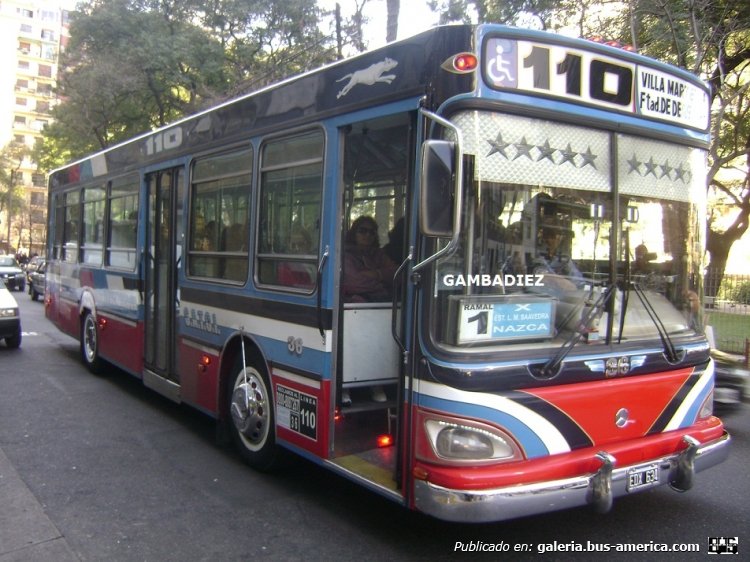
526	213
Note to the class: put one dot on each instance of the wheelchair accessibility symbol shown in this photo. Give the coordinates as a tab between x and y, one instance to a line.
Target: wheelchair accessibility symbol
502	65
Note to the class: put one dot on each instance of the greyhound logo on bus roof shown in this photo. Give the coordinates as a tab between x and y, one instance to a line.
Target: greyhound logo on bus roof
369	76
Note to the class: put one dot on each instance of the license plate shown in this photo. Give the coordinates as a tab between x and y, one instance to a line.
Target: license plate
643	477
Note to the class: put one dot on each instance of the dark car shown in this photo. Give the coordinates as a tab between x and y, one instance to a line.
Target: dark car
37	280
12	274
10	318
732	386
32	265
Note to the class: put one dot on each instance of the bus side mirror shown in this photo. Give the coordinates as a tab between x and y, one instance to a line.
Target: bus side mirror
437	188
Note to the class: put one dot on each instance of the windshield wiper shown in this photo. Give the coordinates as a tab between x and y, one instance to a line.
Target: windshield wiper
550	368
669	349
626	287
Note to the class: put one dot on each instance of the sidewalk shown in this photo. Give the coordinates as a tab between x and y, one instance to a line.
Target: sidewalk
26	533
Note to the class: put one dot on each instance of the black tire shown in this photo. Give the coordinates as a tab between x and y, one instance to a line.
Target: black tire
90	344
14	342
251	418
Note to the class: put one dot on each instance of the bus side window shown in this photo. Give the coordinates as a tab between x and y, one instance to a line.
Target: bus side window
234	239
219	213
70	242
290	205
122	223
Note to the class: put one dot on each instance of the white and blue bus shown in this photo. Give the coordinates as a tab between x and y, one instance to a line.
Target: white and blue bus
463	270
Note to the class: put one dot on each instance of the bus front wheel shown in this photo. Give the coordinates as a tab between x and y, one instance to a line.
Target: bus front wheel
251	416
90	344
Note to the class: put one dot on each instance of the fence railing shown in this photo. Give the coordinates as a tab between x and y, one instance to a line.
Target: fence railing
728	312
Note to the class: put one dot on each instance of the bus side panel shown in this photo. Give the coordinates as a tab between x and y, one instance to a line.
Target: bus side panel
121	342
68	316
302	411
64	295
198	366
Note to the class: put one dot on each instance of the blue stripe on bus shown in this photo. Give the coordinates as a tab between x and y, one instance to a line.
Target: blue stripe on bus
530	442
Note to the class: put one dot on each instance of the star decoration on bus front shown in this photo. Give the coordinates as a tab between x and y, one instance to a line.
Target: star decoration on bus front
498	145
538	152
523	148
652	167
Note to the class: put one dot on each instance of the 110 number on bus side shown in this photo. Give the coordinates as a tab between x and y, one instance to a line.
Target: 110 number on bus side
297	411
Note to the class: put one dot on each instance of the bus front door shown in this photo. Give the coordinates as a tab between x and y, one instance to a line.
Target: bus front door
160	262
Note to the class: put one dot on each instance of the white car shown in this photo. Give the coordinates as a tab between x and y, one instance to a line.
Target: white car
10	318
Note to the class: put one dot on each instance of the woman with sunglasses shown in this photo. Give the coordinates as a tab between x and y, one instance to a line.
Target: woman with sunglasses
368	271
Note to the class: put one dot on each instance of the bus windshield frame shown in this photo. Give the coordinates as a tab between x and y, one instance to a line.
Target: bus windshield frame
563	229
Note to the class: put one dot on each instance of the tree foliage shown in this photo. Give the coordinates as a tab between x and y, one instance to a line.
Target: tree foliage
132	65
12	200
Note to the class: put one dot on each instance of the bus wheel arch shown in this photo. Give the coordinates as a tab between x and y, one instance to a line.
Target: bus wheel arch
247	404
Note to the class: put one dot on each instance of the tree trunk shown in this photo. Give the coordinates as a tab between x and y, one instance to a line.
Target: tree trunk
391	32
718	245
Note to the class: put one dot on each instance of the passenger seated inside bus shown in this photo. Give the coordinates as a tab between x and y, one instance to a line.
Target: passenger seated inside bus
395	247
560	272
368	277
642	264
368	271
298	274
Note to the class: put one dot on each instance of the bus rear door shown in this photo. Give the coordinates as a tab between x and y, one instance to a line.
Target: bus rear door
161	262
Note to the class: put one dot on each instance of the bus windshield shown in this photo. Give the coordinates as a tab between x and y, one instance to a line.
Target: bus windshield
568	234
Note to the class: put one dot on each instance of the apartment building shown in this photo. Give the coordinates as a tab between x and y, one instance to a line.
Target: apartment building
32	35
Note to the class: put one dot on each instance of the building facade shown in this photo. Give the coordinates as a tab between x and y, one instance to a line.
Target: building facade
32	35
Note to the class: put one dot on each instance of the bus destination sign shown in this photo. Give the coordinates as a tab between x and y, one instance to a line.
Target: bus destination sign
481	320
592	78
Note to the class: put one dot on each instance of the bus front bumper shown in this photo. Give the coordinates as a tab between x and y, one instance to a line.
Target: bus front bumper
597	490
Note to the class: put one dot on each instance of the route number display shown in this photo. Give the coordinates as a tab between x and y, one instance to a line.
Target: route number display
591	78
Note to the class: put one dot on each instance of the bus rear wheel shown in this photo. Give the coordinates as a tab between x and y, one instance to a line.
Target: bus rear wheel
90	344
251	416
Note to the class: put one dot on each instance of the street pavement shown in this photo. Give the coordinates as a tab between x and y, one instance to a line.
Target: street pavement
26	533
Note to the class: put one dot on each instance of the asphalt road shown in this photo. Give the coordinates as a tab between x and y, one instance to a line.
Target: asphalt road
101	468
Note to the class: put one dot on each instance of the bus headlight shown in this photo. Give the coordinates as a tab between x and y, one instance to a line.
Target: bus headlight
462	442
707	408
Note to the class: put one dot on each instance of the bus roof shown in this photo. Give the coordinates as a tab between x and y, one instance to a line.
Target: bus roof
403	69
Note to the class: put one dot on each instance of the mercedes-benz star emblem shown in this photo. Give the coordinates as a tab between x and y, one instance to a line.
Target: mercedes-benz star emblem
621	417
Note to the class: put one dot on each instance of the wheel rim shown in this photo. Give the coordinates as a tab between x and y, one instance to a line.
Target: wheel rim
250	409
89	339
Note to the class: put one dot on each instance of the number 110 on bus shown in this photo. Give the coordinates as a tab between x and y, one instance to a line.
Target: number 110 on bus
577	75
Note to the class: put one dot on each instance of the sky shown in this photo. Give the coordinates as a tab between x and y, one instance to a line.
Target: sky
414	17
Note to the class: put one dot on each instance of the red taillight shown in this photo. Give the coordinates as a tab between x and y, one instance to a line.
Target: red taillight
461	63
203	363
385	440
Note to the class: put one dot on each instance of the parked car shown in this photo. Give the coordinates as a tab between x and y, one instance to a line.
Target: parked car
37	280
10	318
32	266
732	386
12	274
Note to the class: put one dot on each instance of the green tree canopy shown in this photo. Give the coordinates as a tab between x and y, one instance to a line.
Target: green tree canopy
132	65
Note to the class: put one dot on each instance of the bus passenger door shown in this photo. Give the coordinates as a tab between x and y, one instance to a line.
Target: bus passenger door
370	377
160	262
